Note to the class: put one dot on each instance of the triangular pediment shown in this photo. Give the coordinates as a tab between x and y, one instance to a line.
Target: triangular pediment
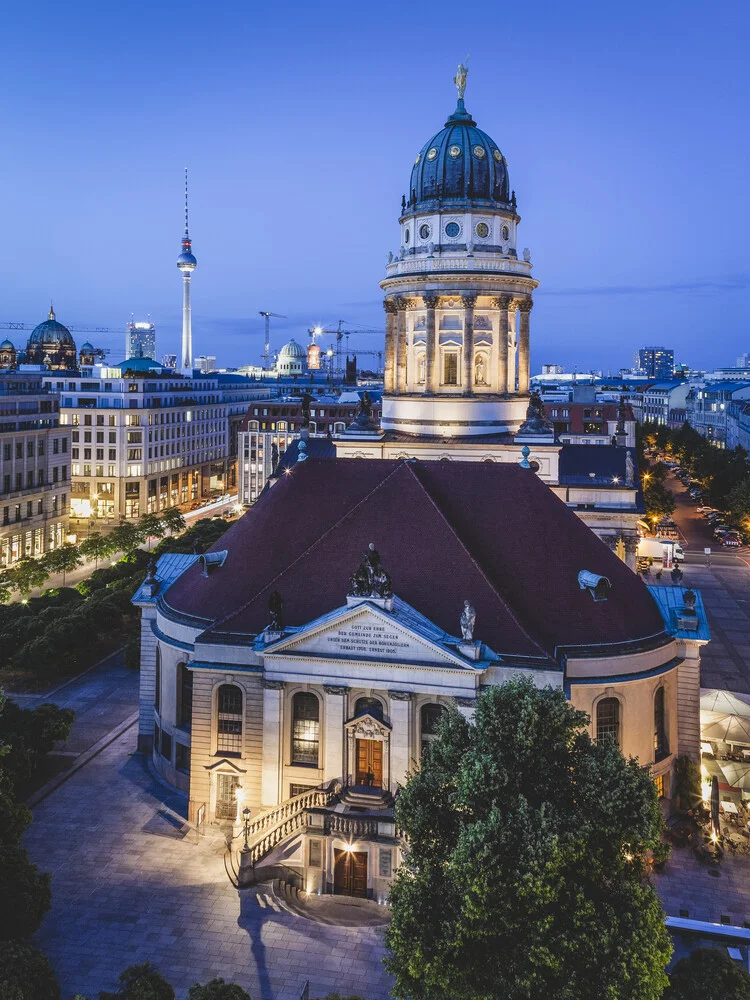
367	632
223	762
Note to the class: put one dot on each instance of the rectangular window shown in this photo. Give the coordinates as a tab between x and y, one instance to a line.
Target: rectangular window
157	734
315	853
659	782
450	369
166	746
229	725
182	758
296	789
385	862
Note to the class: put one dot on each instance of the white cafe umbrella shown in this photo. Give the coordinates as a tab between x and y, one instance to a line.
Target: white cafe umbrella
729	728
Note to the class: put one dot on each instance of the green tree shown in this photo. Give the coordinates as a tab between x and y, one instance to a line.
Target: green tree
526	874
217	989
658	499
151	526
25	973
126	537
173	519
95	547
6	586
140	982
28	574
63	559
738	501
24	891
30	734
708	974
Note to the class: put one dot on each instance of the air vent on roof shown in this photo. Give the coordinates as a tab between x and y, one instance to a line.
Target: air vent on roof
598	586
211	561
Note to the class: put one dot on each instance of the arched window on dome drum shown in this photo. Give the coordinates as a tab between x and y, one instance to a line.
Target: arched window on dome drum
157	680
372	705
305	729
429	723
661	745
184	696
229	722
608	720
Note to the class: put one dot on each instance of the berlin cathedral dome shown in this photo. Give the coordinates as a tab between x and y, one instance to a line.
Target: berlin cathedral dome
51	343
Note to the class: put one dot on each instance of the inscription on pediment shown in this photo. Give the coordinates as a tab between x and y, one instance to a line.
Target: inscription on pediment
368	638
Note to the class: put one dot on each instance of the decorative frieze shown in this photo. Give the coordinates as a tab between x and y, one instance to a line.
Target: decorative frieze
400	695
270	685
339	689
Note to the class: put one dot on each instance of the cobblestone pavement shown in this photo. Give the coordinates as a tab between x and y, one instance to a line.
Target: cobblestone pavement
129	885
688	885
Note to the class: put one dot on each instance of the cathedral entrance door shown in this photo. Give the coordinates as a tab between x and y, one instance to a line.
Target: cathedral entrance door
226	798
369	763
350	873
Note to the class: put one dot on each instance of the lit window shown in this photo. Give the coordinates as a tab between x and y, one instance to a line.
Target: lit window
608	720
305	729
229	725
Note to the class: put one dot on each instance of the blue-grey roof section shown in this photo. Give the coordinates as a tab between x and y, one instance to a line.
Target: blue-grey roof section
605	461
168	568
728	385
671	604
317	447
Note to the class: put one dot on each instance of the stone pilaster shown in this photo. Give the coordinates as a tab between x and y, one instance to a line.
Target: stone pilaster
335	702
390	344
148	680
631	550
401	736
524	307
468	302
502	302
431	367
401	307
273	722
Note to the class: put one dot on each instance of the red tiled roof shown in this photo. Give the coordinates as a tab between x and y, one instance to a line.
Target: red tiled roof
446	531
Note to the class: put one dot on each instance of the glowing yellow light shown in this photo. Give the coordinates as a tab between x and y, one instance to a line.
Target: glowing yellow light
713	836
239	794
349	848
628	857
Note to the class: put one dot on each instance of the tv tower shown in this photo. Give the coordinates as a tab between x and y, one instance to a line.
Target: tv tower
186	263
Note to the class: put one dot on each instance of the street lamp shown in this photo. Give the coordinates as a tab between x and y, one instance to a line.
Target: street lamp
246	824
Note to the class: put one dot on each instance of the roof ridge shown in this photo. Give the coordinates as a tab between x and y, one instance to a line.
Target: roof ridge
302	555
479	567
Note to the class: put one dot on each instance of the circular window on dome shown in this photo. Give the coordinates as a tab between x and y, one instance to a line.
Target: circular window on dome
506	233
431	153
483	230
424	232
452	230
454	151
479	152
498	155
407	236
419	157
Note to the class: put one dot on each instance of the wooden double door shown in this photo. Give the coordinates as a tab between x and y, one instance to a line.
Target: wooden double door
349	873
369	763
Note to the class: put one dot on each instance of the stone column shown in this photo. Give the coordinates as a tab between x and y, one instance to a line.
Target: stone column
390	344
335	702
631	549
401	306
431	366
524	307
468	302
401	736
502	302
273	722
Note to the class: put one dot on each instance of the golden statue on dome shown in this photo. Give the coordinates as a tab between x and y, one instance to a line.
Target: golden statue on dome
460	79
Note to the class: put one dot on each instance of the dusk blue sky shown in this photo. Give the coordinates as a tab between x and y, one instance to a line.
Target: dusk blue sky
625	127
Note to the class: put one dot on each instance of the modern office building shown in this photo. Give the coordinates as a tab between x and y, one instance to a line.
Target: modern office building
140	340
206	364
34	468
656	362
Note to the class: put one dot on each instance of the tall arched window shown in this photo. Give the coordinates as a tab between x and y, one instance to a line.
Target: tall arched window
184	696
305	728
372	705
229	723
157	680
429	722
608	720
661	746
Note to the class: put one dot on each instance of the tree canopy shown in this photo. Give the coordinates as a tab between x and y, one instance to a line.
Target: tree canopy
140	982
708	974
217	989
526	874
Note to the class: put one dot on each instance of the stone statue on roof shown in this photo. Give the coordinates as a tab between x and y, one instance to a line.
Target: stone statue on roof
468	621
363	419
276	612
306	400
370	579
629	468
536	421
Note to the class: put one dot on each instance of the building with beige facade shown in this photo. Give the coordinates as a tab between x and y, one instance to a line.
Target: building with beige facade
34	468
298	673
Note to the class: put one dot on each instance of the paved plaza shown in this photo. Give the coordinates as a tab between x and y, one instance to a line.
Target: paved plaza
130	885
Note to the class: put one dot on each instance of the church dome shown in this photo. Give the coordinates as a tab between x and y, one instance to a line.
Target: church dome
87	348
459	167
51	333
292	350
7	346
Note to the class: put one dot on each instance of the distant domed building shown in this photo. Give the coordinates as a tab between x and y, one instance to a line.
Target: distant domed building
51	344
292	359
87	355
7	354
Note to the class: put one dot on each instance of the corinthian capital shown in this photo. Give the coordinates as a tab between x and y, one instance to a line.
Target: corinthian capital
389	305
525	305
468	301
431	301
502	301
401	304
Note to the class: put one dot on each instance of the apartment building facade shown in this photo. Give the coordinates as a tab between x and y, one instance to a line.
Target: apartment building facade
34	468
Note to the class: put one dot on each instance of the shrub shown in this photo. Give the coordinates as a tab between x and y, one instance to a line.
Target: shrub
25	973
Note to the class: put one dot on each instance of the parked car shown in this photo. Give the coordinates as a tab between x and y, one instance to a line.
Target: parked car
731	541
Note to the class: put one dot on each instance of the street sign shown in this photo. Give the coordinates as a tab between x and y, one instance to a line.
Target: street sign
707	551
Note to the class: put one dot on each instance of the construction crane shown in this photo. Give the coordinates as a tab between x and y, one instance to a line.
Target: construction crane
341	333
267	351
73	329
